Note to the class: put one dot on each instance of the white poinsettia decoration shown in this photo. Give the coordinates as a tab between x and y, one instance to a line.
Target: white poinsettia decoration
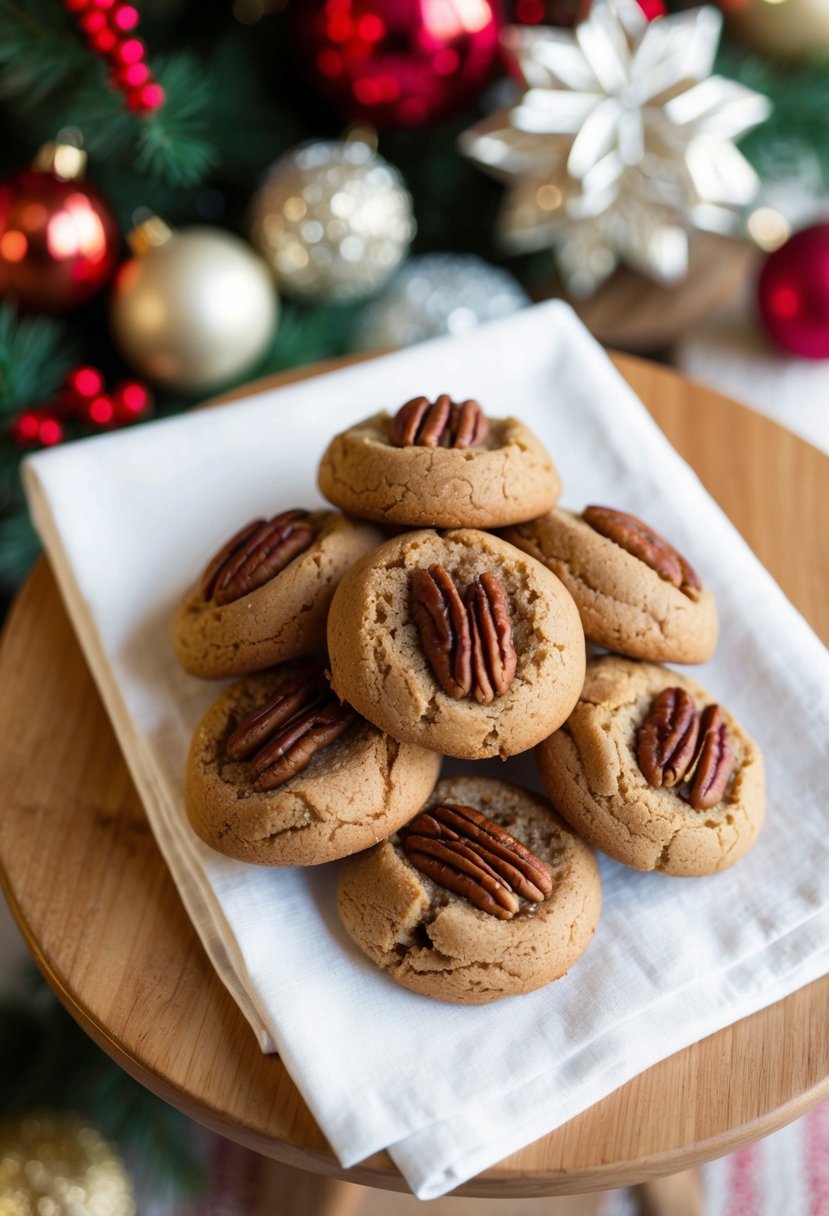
622	141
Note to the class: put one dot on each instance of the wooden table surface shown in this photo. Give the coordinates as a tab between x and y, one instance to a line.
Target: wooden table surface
99	911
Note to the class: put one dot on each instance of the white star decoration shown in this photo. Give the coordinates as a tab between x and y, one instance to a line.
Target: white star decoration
622	141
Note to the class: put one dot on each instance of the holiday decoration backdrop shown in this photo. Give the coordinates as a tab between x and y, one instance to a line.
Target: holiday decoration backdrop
196	193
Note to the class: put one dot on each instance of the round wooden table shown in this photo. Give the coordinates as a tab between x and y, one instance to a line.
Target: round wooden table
97	906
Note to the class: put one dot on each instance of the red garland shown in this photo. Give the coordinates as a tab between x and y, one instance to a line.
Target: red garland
85	400
109	28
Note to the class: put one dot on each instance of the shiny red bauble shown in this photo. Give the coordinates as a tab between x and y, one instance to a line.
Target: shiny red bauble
793	293
569	12
58	241
398	64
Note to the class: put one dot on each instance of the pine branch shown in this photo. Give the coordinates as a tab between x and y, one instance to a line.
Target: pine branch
798	127
55	81
39	51
35	355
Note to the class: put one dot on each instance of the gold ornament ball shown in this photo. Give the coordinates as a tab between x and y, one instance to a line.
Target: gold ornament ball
194	308
334	220
797	30
55	1164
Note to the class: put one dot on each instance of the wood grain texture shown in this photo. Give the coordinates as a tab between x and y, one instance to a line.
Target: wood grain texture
98	908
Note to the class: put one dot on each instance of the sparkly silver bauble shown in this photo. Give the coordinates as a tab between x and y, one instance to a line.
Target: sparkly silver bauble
438	293
194	309
622	141
334	220
55	1164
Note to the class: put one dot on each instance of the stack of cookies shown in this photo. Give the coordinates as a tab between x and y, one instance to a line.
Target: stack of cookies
446	612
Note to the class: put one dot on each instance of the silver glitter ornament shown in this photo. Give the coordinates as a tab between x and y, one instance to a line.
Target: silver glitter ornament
622	141
438	293
334	220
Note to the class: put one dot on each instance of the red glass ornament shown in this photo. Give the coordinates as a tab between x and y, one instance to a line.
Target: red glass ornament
398	63
565	13
58	241
793	293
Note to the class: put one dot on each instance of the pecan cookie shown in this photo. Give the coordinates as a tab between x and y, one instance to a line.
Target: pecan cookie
636	595
650	770
440	464
281	773
264	596
485	894
457	642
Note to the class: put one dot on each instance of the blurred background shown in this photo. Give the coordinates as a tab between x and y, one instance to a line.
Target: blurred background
198	193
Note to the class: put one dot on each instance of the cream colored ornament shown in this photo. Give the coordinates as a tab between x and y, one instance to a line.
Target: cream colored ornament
622	141
334	220
55	1164
194	309
797	30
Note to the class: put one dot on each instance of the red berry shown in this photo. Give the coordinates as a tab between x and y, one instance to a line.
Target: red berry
132	400
104	42
131	50
92	23
124	17
146	99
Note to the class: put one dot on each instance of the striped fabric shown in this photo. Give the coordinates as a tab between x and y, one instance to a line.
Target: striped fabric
787	1174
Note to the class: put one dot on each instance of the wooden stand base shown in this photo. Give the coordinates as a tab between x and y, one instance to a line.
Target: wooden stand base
291	1192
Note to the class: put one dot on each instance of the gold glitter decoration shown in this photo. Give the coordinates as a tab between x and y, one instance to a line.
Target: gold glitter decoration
54	1164
622	141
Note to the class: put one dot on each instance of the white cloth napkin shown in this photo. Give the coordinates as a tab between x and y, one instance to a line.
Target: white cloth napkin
129	519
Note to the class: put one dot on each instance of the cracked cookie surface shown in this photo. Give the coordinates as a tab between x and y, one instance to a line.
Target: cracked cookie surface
435	942
284	618
508	478
353	793
590	770
624	604
379	666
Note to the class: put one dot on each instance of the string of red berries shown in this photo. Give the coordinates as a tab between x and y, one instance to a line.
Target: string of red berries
109	28
83	401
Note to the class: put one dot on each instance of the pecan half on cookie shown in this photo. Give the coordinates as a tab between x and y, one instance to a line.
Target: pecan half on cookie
257	552
280	739
467	639
465	852
640	540
677	744
442	424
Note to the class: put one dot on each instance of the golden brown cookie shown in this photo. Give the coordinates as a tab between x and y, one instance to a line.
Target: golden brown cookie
264	596
636	595
457	642
485	894
439	467
281	774
646	771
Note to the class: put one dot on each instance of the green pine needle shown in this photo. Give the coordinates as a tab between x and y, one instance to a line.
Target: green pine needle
35	355
174	144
